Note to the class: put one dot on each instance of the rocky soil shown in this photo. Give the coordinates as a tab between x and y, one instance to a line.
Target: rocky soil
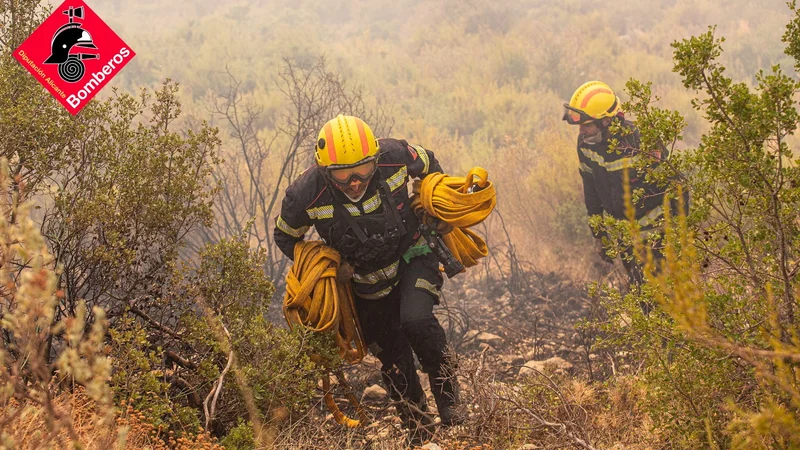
512	334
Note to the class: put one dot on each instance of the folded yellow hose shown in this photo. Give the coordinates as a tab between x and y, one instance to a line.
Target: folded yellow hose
315	301
460	202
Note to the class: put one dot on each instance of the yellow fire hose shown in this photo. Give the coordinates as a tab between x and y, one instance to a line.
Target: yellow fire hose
314	300
460	202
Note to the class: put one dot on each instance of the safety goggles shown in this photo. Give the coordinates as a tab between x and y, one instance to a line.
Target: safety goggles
575	116
361	171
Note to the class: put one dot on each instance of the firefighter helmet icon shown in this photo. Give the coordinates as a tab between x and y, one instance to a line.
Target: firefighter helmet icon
65	48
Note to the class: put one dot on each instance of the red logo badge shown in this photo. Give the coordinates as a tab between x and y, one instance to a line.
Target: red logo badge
73	54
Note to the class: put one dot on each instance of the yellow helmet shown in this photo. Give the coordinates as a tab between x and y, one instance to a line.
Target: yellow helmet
345	141
592	101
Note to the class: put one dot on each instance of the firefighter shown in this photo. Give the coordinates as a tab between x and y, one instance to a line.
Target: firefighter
356	198
594	107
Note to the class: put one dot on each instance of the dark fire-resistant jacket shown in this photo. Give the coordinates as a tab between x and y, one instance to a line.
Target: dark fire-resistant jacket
309	201
602	173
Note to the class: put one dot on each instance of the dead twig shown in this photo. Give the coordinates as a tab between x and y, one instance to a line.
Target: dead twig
217	384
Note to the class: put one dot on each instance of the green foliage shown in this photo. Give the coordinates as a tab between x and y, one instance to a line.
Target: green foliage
137	381
133	189
686	384
34	127
231	290
721	355
790	38
222	327
240	437
121	186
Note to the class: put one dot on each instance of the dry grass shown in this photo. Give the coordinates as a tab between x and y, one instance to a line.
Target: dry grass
545	410
623	421
27	426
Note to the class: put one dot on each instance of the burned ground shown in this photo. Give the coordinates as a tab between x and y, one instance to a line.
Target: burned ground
499	337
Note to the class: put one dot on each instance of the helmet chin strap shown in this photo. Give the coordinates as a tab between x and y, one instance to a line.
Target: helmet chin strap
599	136
595	138
357	198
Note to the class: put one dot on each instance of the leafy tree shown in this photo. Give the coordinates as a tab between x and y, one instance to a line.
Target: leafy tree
277	374
722	367
34	128
118	188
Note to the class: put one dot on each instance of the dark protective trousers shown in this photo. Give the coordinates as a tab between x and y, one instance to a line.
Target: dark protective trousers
635	270
403	322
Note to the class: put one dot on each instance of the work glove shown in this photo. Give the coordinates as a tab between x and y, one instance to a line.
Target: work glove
345	272
437	224
598	246
432	222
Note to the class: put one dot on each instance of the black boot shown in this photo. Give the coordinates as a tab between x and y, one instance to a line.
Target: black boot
429	342
444	387
405	389
416	420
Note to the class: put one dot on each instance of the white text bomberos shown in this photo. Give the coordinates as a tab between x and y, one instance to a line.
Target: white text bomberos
75	99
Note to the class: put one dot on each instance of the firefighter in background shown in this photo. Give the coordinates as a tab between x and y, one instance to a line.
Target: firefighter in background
594	107
356	197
